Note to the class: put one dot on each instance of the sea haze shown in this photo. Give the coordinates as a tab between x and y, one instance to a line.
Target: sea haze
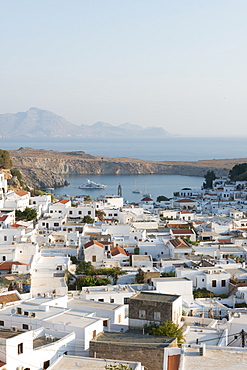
156	149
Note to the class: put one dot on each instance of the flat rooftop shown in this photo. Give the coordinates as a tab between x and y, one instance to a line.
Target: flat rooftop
80	304
74	362
155	297
43	341
215	359
7	333
134	339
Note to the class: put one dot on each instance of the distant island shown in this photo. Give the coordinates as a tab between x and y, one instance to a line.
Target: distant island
42	123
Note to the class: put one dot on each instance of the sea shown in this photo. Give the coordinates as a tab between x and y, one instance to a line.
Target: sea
171	148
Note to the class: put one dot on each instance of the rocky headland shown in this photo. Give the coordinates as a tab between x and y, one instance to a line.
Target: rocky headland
45	168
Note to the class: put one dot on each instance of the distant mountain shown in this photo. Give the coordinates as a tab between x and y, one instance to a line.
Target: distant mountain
42	123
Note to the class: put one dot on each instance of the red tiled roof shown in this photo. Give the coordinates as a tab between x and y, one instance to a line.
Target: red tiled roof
7	265
184	201
93	242
182	231
17	225
177	226
146	199
117	250
21	193
179	243
2	363
64	201
7	298
184	211
224	241
3	218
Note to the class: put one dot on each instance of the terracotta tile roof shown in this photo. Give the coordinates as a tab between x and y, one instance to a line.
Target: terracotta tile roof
224	241
184	211
93	242
7	298
3	218
7	265
147	199
179	243
184	201
117	250
2	363
64	201
176	226
17	225
21	193
182	231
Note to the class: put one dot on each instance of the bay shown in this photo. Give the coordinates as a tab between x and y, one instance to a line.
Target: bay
153	184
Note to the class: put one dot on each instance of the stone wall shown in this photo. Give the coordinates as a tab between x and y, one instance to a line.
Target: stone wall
151	358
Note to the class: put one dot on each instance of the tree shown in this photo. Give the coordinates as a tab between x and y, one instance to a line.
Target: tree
28	214
238	172
5	161
100	214
91	281
209	177
115	273
88	220
86	268
87	198
162	198
168	329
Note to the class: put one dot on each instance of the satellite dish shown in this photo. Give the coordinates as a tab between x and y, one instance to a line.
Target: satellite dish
13	310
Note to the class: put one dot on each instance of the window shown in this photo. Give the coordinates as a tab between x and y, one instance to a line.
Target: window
223	283
110	214
4	258
43	223
56	224
105	323
126	300
51	211
89	213
94	334
112	300
46	364
70	212
19	310
26	313
101	299
93	258
142	314
1	323
25	326
80	212
20	348
157	316
115	214
5	238
202	279
214	283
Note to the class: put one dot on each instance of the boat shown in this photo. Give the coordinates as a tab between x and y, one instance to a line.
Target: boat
92	185
135	190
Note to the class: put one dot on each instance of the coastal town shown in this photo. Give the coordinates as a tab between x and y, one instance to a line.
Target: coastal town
104	284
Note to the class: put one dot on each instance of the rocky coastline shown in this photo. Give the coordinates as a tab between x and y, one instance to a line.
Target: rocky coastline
43	169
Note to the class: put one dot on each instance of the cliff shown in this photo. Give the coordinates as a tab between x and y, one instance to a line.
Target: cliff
45	168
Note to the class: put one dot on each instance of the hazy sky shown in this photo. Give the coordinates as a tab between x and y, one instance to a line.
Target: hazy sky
179	64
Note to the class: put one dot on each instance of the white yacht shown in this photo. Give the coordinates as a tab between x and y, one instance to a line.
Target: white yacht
92	185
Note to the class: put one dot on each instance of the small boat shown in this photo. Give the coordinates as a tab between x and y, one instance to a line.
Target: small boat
92	185
135	190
